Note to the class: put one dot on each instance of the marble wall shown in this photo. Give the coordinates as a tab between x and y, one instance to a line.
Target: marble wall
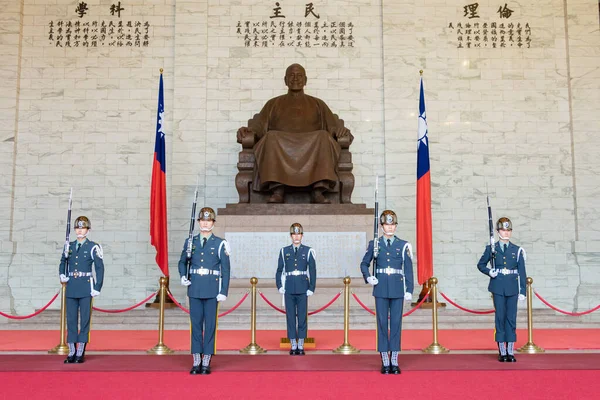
521	120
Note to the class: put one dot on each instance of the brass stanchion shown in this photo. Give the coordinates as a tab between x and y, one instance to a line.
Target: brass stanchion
253	348
161	348
346	347
530	347
435	347
61	347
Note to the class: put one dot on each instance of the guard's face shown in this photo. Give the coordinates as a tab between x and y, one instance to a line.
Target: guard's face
296	238
295	78
389	229
504	234
81	232
206	226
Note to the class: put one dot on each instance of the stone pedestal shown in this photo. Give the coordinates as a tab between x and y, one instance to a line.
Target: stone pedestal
256	232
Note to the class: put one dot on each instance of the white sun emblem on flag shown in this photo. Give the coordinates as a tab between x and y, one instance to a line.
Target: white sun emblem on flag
422	129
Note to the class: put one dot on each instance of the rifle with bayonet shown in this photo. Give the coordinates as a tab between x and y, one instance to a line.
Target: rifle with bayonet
191	235
492	241
376	229
67	235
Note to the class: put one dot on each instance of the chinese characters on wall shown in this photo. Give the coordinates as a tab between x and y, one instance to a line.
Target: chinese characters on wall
502	33
84	33
278	31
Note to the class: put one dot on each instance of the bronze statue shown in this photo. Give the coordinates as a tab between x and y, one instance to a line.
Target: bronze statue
296	142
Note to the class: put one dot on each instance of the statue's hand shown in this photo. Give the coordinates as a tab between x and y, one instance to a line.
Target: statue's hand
243	132
341	132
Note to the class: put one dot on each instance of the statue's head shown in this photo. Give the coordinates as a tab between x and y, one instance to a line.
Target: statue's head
295	77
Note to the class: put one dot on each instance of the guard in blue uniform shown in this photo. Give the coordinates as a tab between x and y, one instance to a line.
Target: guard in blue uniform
296	279
83	283
392	285
507	285
208	284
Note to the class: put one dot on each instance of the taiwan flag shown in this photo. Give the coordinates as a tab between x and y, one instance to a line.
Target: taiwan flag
424	239
158	190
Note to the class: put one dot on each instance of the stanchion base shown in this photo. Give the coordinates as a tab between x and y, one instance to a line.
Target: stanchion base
160	349
252	349
531	348
309	343
61	349
346	348
435	348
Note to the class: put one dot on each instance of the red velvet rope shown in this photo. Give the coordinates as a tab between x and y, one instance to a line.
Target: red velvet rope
239	303
310	313
337	296
573	314
125	309
31	315
273	306
466	309
412	310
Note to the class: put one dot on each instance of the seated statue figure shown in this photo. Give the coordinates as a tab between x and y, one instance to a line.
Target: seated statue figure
296	142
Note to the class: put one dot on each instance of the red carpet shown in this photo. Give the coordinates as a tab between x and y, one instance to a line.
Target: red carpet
310	362
472	339
464	385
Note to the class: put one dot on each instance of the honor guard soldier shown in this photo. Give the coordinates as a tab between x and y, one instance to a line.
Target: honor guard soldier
507	285
296	279
392	285
83	283
207	280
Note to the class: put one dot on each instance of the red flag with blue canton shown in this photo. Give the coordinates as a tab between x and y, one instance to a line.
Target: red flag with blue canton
424	239
158	191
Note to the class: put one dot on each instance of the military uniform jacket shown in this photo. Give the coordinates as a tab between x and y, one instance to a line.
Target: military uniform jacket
303	261
511	276
82	276
214	256
398	256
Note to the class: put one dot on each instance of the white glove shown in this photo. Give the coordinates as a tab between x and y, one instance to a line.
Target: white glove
94	293
493	273
221	297
521	297
282	290
63	278
371	280
309	292
185	281
407	296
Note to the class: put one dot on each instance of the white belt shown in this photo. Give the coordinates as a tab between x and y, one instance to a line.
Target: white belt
77	274
205	271
389	271
505	271
296	273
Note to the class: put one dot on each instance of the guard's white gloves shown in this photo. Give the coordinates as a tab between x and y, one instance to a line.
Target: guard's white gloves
493	273
309	292
221	297
185	281
282	290
94	293
63	278
371	280
407	296
521	297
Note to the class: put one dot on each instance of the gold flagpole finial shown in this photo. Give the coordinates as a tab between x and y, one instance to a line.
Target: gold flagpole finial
161	71
421	72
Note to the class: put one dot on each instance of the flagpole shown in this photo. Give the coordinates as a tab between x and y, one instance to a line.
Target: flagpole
168	303
420	249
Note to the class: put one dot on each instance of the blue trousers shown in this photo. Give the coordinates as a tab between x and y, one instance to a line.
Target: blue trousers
392	307
81	307
506	318
203	316
296	308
